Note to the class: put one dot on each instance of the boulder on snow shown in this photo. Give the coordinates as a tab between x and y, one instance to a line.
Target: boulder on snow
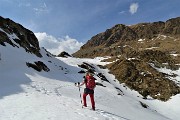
64	54
88	67
82	72
39	66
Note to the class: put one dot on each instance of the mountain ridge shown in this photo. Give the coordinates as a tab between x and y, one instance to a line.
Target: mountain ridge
120	33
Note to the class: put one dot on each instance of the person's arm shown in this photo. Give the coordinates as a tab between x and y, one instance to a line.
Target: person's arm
83	82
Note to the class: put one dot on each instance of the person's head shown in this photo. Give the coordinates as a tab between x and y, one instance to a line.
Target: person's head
90	74
86	74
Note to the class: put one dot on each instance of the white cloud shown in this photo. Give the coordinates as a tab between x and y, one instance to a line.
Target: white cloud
42	9
133	8
121	12
57	45
21	4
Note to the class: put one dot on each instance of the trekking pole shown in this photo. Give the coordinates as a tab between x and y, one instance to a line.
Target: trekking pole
80	91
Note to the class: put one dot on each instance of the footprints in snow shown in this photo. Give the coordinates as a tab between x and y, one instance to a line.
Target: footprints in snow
48	88
45	90
69	102
41	89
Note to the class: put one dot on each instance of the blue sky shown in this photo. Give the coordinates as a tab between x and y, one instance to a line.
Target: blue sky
81	19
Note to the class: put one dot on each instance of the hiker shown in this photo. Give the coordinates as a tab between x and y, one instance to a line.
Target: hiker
90	84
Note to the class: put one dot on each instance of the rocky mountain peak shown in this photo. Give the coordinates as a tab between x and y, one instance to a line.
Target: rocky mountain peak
117	33
172	26
18	36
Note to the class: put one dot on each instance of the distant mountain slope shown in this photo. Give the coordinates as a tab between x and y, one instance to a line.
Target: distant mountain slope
120	35
135	50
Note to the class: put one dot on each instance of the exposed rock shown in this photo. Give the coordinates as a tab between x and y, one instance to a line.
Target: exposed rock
142	77
148	30
27	39
82	72
102	77
99	84
64	54
118	33
88	67
106	43
39	66
143	104
172	26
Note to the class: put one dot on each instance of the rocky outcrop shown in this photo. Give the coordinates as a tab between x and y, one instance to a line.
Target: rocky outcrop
25	38
64	54
172	26
119	32
38	66
139	74
148	30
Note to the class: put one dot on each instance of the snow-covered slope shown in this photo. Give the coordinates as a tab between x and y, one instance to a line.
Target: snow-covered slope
26	94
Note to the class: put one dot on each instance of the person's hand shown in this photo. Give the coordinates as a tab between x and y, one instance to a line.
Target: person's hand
77	84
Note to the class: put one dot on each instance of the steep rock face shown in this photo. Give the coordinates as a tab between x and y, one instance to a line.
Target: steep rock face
25	38
148	30
118	33
172	26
